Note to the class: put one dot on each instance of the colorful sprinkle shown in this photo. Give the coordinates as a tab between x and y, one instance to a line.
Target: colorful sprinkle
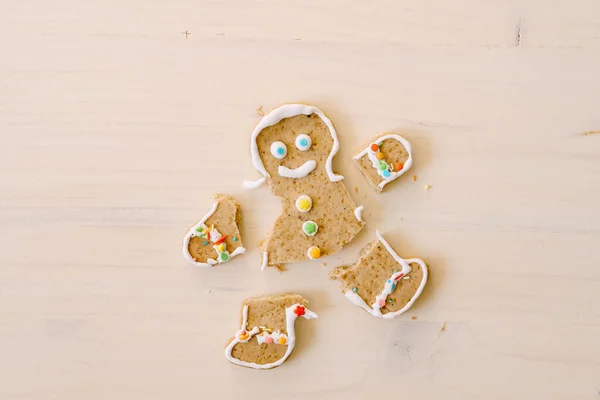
379	156
379	144
386	174
235	239
221	240
303	203
354	290
299	311
221	247
399	166
244	335
374	147
314	252
310	228
224	257
205	243
199	229
269	340
390	300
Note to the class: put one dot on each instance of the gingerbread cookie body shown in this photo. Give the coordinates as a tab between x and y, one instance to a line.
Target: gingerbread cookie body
381	282
384	160
215	239
267	335
293	148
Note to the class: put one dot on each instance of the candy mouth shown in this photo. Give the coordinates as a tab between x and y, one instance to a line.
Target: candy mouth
299	172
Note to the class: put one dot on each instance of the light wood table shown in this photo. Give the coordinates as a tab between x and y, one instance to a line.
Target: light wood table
116	127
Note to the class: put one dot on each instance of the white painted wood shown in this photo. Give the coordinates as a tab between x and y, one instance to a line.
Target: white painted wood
116	129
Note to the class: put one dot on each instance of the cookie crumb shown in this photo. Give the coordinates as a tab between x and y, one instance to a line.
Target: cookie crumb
356	189
443	328
209	291
590	133
260	112
414	317
323	264
427	187
414	178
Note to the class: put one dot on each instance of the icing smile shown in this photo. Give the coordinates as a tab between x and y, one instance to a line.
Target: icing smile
299	172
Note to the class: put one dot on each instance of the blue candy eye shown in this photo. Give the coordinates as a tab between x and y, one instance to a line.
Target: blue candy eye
278	150
303	142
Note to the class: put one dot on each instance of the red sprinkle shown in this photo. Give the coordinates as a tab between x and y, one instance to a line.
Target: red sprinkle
374	147
221	240
399	277
299	311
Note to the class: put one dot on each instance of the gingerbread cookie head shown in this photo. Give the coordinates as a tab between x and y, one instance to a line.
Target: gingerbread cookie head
384	160
292	142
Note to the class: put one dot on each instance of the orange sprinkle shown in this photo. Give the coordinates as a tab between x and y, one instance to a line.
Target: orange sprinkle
221	240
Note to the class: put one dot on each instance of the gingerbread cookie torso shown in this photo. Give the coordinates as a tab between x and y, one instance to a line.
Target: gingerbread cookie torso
267	335
293	148
381	282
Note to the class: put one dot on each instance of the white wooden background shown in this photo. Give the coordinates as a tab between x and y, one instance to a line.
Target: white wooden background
116	129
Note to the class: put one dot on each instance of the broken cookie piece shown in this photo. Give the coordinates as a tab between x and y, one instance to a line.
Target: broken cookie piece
381	282
216	237
385	159
267	336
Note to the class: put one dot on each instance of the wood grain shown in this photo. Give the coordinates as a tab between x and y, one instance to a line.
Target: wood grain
116	129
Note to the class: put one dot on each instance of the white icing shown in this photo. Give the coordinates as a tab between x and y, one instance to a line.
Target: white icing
390	285
304	197
290	320
299	172
214	236
358	213
275	147
254	184
264	261
287	111
273	335
373	158
299	145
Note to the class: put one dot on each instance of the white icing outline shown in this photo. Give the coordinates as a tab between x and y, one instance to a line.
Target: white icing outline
396	174
406	269
186	242
358	213
287	111
254	184
290	319
299	172
264	261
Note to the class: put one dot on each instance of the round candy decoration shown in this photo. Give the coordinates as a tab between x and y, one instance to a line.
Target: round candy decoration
314	252
310	228
304	203
303	142
278	149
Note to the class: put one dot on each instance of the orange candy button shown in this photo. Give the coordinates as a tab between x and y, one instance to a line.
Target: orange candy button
379	156
282	340
399	166
374	147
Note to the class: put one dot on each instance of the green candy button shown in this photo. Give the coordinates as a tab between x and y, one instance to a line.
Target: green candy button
224	257
382	166
309	227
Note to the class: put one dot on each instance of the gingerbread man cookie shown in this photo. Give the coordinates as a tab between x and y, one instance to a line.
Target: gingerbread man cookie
384	160
293	148
215	239
267	336
381	282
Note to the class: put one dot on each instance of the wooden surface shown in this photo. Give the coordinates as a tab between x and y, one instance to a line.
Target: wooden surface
116	129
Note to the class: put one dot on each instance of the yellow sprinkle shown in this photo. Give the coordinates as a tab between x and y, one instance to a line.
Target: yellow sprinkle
414	178
221	247
427	187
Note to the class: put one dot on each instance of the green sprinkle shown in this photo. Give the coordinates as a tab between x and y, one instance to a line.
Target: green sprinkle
379	144
224	257
390	300
354	290
395	270
199	229
205	243
235	239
